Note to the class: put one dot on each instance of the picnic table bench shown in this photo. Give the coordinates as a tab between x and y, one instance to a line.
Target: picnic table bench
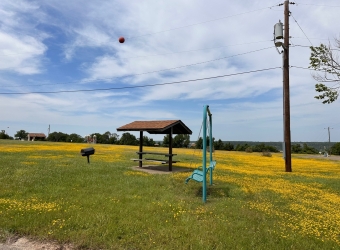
163	161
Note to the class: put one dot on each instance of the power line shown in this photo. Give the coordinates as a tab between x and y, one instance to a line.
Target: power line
301	28
299	67
325	71
208	21
303	46
139	86
313	38
336	6
150	72
307	46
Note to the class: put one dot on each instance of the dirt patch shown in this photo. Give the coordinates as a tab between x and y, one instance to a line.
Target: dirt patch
160	169
23	243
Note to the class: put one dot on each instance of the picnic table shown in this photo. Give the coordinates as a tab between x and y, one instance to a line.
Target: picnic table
168	160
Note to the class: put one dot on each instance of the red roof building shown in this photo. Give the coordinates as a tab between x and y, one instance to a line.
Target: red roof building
35	136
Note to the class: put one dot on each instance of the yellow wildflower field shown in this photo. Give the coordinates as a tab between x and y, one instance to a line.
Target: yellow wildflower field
305	202
312	208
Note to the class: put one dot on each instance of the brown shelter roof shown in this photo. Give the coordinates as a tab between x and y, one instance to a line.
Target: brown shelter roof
36	134
157	127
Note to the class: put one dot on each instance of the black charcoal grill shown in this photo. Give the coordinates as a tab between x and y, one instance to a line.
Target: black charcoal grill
87	152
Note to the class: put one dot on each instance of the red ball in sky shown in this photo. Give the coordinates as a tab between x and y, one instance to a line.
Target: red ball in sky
121	39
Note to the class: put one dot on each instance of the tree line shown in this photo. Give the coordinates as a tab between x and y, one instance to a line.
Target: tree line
178	141
105	138
220	145
296	148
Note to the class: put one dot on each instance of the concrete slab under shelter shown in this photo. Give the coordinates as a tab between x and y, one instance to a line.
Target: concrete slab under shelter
160	169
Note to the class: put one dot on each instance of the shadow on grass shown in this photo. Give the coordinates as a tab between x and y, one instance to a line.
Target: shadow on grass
214	191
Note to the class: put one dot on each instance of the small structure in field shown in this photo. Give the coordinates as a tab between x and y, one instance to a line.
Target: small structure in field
36	136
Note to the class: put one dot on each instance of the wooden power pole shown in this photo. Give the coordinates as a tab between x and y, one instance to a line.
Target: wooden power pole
329	141
287	136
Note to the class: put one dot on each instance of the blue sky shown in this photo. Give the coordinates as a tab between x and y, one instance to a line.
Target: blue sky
58	45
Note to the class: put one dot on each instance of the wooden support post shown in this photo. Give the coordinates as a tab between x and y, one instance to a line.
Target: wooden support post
140	148
170	150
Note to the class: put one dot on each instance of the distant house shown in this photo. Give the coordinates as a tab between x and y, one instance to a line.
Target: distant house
36	136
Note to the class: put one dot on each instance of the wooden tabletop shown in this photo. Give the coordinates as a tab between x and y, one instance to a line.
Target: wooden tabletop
155	153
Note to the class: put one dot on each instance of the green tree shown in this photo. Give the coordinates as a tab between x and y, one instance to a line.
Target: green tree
128	139
199	143
57	137
114	138
219	145
325	58
305	149
3	135
151	142
166	140
259	147
241	147
264	148
186	142
308	150
148	141
105	138
296	149
208	141
228	146
335	149
271	149
249	149
74	138
21	134
181	141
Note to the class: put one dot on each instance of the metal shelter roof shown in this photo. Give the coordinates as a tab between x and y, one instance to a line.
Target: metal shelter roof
157	127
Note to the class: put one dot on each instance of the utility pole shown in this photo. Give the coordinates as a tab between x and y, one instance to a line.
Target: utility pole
329	140
286	101
278	35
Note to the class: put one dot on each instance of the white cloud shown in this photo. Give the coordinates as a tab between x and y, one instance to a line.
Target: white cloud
85	33
21	54
21	46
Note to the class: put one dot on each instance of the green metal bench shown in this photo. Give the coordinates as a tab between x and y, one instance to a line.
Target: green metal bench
197	175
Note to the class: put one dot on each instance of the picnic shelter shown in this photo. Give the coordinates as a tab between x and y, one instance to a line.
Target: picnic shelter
169	127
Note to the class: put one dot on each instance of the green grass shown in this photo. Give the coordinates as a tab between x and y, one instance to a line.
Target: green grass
50	193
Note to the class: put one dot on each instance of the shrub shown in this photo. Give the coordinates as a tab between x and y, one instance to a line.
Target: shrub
266	153
249	150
